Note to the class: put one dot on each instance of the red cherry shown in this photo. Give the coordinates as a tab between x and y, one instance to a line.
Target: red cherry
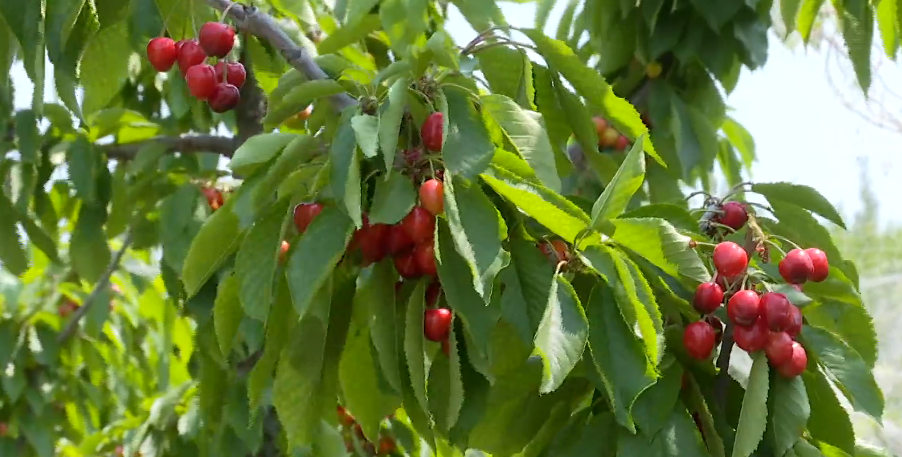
201	81
730	259
407	266
708	297
398	240
776	310
432	293
214	197
283	251
717	325
432	132
699	340
386	445
304	214
744	308
224	98
779	348
432	196
437	324
446	348
622	143
608	138
161	53
601	124
234	73
796	267
412	156
4	429
216	39
344	417
424	253
820	265
561	250
734	215
752	338
419	224
795	322
796	364
373	240
189	55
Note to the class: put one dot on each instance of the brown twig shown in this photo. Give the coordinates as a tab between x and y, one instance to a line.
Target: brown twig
186	144
252	104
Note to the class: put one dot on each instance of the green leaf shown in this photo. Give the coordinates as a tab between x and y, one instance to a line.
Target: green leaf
789	412
349	34
28	136
887	17
852	323
554	117
315	255
618	193
481	14
414	344
281	321
25	19
589	83
88	249
829	422
359	377
390	121
542	204
366	130
217	239
802	196
108	51
741	139
258	150
652	409
255	263
526	132
82	161
850	373
377	291
345	172
477	230
227	313
807	17
753	417
393	199
299	98
858	31
468	147
446	387
678	437
618	355
526	284
297	153
180	17
12	252
509	73
688	145
562	335
658	242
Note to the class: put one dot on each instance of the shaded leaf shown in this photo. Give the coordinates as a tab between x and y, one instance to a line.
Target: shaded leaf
658	242
414	344
562	335
345	170
227	313
377	292
217	239
255	264
468	147
789	412
393	199
800	195
298	99
618	193
390	121
108	51
753	417
829	422
366	130
258	150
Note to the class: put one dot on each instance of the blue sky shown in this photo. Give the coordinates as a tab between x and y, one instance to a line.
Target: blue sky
803	132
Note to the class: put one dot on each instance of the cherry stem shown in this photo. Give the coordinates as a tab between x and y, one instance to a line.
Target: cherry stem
699	192
719	225
759	205
705	244
225	12
458	86
775	246
783	238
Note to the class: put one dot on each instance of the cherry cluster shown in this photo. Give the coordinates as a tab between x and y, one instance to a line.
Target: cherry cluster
217	85
761	318
608	136
385	446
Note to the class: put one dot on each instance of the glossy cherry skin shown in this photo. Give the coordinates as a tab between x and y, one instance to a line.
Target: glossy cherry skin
344	417
734	215
386	445
437	324
432	196
601	124
432	294
216	39
708	297
419	224
214	197
699	340
752	338
189	55
819	264
373	240
622	143
398	240
776	310
233	72
797	364
730	259
796	267
304	214
609	137
795	322
283	251
425	256
432	132
779	348
161	53
201	81
744	308
224	98
407	266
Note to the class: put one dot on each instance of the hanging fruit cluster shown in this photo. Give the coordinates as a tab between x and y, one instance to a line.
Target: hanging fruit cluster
608	136
354	437
216	84
760	318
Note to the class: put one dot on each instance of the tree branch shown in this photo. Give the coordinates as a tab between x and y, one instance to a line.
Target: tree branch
723	364
186	144
264	26
252	104
101	285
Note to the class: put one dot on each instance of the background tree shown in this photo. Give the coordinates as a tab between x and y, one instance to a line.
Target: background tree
549	309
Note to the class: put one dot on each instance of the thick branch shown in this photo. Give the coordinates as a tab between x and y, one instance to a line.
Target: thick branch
723	364
264	26
252	104
186	144
101	285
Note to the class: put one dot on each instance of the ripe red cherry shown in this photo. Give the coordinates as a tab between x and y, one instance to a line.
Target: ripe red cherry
699	340
797	364
796	267
224	97
216	39
189	55
161	53
425	256
432	196
373	240
283	251
233	72
730	259
744	308
437	324
708	297
561	250
304	214
4	429
432	132
419	224
601	124
407	266
734	215
779	348
776	310
432	293
795	322
717	325
622	143
344	417
214	197
398	240
820	265
752	338
201	81
386	445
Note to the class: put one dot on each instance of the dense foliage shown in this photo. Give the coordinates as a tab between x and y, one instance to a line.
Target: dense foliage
414	248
